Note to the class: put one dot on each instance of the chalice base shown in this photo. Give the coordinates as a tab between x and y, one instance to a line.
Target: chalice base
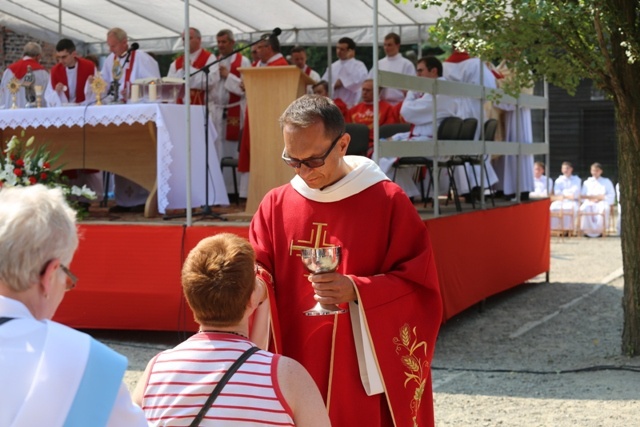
324	310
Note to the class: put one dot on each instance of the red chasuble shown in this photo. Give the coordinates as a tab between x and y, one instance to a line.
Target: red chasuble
244	160
363	113
387	251
197	95
233	113
86	68
19	68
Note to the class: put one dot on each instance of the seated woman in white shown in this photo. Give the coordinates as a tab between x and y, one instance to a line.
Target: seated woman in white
566	196
541	183
598	195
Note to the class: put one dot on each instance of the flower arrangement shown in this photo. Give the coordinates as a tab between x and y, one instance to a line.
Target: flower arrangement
21	165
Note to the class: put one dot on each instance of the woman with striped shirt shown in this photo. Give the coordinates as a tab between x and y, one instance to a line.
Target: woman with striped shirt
218	279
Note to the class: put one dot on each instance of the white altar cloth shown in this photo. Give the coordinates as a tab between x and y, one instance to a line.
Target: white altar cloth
170	122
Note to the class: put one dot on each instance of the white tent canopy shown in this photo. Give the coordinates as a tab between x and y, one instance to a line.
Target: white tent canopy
156	25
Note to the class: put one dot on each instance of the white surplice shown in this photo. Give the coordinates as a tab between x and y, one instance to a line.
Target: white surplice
352	73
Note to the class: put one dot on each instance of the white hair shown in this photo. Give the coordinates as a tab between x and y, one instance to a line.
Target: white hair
36	226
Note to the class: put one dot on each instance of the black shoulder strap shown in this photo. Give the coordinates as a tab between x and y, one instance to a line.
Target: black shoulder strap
218	388
5	319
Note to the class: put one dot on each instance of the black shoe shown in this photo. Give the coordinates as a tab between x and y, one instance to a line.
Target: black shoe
119	209
124	209
524	196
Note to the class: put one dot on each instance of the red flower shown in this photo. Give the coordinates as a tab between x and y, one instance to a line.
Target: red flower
43	176
32	180
46	165
20	163
12	156
17	172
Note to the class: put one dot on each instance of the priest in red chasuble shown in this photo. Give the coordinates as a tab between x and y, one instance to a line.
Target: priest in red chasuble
371	364
363	112
68	76
270	56
198	58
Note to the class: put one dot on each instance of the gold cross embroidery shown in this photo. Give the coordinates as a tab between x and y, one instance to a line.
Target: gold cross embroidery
317	239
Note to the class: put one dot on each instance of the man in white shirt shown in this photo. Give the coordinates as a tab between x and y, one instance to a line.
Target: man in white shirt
347	73
541	182
31	76
299	59
418	109
395	63
131	65
598	195
229	102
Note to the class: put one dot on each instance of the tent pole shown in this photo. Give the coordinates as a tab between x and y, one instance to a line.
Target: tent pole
376	94
60	19
187	103
329	46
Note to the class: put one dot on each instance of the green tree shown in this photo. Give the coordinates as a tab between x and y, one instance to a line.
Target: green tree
566	41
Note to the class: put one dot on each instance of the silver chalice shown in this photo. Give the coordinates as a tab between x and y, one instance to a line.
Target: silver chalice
318	261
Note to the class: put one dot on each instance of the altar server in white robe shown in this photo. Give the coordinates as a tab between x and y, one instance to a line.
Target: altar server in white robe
29	81
134	64
396	63
566	195
460	67
51	375
229	104
347	73
598	195
542	185
418	109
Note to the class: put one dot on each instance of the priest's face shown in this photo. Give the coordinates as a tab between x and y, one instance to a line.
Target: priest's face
117	47
311	142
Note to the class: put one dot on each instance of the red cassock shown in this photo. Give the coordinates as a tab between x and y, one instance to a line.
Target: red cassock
244	158
387	251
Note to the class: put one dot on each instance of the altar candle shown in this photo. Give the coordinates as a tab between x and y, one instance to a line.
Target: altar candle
153	91
135	93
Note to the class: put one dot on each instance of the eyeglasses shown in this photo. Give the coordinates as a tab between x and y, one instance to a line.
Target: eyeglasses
72	279
311	162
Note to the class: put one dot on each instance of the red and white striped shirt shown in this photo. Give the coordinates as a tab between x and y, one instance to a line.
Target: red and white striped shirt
181	380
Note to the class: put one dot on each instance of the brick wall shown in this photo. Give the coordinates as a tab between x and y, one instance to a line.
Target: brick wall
12	43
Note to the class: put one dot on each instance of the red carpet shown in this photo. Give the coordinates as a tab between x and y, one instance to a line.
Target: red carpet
130	274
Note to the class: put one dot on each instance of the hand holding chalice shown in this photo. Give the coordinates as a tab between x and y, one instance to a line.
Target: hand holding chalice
318	261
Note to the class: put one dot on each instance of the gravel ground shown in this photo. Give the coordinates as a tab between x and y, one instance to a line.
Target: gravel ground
542	354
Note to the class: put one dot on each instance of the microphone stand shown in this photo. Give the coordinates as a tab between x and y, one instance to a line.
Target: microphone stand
206	209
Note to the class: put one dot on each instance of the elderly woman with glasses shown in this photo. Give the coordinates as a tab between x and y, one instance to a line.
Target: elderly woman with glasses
52	375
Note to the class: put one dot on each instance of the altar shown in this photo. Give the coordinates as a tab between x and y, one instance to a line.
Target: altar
145	143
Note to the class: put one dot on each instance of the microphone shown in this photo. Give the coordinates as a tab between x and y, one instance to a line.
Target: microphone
135	46
275	33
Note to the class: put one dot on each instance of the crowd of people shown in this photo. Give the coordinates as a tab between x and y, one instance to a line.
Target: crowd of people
350	87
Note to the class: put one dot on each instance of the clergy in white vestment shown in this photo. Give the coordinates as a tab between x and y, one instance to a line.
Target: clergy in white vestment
515	173
541	183
566	195
597	195
51	375
229	102
396	63
418	109
133	64
460	67
29	73
347	73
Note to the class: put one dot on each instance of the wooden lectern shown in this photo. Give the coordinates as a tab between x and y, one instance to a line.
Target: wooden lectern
269	92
